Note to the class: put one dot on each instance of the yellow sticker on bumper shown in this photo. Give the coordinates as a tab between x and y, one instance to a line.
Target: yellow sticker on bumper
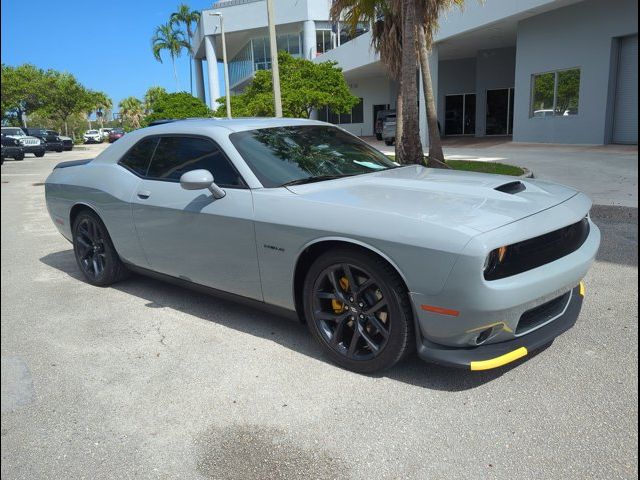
581	289
499	361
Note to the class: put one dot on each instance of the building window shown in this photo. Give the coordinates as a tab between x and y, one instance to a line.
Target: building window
555	93
355	115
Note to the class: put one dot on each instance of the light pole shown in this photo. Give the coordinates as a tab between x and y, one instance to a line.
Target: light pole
275	69
226	66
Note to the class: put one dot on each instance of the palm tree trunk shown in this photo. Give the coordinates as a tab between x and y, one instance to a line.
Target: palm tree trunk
175	73
436	156
190	61
399	151
411	146
66	127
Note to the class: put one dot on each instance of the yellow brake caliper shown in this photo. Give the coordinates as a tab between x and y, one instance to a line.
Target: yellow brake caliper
337	305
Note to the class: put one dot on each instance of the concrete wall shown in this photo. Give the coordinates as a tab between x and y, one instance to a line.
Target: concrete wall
494	69
582	36
374	91
454	77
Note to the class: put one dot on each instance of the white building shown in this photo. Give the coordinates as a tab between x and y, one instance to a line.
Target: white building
555	71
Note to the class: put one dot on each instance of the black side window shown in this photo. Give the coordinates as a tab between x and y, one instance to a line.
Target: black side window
137	159
177	155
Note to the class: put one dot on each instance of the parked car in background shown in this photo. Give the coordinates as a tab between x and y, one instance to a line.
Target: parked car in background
67	142
31	144
104	132
380	117
92	136
389	129
51	142
11	148
115	134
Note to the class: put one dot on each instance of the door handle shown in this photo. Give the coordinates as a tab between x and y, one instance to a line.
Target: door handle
144	194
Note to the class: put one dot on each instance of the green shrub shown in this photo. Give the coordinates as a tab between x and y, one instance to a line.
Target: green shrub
178	105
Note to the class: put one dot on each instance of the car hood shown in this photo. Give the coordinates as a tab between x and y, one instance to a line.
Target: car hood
468	201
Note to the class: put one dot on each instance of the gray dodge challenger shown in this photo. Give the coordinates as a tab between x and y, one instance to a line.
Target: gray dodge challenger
471	270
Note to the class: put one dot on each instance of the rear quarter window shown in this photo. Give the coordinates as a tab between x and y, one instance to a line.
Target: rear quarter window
138	157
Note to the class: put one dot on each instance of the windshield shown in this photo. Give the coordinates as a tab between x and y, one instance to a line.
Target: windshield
13	131
91	132
283	155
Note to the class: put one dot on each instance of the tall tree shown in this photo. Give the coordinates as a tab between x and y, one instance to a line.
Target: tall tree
186	17
305	86
386	40
66	98
428	14
102	105
386	17
151	97
25	89
170	38
132	110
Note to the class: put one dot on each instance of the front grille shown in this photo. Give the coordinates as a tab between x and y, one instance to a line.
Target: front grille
529	254
542	314
30	141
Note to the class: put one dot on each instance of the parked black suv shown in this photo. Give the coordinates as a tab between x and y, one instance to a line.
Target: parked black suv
67	142
51	142
11	148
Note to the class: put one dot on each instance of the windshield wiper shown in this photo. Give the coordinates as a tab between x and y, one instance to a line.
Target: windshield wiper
320	178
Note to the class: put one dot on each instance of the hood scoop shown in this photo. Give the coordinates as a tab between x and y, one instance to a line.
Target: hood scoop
511	187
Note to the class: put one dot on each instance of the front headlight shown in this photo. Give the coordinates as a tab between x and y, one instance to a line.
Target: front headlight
495	258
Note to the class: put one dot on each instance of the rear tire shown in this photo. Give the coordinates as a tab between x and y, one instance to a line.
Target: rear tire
94	251
20	156
350	295
378	136
388	143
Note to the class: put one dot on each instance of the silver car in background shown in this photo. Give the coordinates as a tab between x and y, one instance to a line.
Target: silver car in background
471	270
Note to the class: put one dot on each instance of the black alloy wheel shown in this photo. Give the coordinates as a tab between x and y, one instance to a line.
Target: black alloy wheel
94	251
358	309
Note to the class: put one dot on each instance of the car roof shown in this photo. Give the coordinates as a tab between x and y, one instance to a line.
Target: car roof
233	124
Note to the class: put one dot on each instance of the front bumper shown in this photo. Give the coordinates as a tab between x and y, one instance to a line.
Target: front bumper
34	148
54	146
488	356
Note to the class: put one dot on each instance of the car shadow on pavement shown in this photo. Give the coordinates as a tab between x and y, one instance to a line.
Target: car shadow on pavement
284	331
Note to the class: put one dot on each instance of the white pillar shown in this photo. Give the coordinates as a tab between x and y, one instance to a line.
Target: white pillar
199	78
433	66
309	40
212	71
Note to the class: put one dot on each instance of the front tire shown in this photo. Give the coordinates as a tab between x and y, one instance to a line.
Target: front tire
39	154
94	251
388	143
19	156
358	310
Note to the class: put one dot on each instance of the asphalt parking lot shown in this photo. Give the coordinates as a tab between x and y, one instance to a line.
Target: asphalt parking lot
149	380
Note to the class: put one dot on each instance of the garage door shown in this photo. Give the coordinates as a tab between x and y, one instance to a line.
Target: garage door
625	123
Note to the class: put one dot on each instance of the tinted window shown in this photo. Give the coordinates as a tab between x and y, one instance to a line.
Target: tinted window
284	154
137	159
177	155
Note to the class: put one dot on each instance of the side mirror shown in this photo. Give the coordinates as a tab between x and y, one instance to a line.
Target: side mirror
199	180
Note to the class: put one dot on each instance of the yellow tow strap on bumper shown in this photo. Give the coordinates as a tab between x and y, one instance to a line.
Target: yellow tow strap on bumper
581	289
499	361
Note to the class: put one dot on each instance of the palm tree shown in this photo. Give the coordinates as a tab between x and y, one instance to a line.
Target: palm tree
387	40
131	109
103	104
171	38
151	97
428	15
187	17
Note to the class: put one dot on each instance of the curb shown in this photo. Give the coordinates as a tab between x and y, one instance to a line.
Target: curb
527	173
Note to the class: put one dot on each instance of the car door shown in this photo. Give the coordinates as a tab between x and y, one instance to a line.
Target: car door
190	234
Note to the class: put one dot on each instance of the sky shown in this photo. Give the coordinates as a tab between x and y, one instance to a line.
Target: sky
106	45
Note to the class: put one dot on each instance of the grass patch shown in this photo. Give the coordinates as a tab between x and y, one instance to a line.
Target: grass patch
482	167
